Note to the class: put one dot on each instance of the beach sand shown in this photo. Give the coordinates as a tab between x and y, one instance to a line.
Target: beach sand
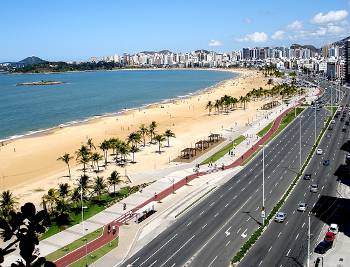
29	166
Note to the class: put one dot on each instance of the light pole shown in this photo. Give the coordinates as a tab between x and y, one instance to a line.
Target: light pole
300	117
263	185
308	241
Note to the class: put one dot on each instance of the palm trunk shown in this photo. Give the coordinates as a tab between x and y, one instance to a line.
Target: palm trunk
98	167
159	147
168	141
114	189
133	157
144	140
69	170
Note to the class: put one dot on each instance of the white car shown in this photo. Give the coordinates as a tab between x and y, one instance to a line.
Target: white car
333	228
314	188
319	151
332	121
280	216
302	206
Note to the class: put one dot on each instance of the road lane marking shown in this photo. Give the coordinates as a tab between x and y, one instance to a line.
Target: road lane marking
200	214
288	252
158	249
211	204
270	249
216	215
189	223
212	261
244	235
189	240
204	226
260	263
226	205
239	230
135	261
297	236
153	263
228	242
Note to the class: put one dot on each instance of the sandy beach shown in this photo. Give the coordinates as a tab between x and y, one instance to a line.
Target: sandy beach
29	166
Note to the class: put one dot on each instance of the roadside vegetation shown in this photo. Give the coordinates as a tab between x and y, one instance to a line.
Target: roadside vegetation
265	129
255	236
222	152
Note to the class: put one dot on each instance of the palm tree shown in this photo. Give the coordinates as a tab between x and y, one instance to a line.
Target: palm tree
124	150
63	190
217	105
66	158
104	146
90	144
114	180
209	106
133	150
152	130
159	138
8	203
168	133
95	157
144	132
50	199
84	184
134	138
99	186
84	159
83	154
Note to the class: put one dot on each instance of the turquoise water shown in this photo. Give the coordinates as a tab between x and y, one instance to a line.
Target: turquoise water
28	109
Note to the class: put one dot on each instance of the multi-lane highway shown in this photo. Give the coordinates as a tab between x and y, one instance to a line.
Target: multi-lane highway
213	231
286	244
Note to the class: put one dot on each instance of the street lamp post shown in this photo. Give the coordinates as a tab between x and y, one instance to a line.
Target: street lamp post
300	117
263	186
308	241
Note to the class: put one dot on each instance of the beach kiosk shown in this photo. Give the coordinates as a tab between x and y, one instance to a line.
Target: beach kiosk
144	212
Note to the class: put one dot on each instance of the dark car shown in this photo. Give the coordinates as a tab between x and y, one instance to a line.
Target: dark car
330	128
326	162
307	176
322	247
342	119
347	123
343	130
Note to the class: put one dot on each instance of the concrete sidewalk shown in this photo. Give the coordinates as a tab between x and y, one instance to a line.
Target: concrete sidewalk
173	174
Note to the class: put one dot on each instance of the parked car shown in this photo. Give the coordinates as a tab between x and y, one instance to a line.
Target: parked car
314	188
307	176
343	130
330	127
322	247
319	151
302	206
333	228
326	162
329	237
332	121
280	216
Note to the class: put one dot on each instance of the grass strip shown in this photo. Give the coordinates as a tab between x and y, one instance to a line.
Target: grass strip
254	237
95	255
265	130
223	151
291	115
74	245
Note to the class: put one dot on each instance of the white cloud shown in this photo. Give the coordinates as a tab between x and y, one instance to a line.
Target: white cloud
278	35
247	20
331	16
295	25
215	43
256	37
331	30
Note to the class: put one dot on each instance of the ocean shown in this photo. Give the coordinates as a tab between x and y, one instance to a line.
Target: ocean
26	110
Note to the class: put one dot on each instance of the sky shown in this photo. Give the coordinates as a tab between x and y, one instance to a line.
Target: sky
78	29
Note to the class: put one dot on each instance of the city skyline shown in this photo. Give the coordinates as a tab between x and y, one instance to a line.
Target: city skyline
76	31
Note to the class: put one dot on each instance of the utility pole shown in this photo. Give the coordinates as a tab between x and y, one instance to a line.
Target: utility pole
263	186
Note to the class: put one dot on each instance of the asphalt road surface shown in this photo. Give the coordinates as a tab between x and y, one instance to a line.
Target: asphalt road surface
285	244
213	231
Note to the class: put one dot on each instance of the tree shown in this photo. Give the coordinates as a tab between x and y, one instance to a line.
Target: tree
50	199
84	185
99	186
90	144
134	138
152	130
114	180
83	155
66	158
7	203
209	106
104	146
133	150
22	229
143	131
95	158
159	138
168	133
63	190
124	151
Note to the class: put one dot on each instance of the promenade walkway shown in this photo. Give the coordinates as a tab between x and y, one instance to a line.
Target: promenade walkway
172	179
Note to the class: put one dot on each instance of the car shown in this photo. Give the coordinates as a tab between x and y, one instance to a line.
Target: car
319	151
326	162
332	121
347	123
329	237
314	188
307	176
328	135
342	119
343	130
302	206
322	247
280	216
333	228
330	127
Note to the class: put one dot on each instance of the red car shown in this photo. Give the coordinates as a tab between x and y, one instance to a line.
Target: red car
329	237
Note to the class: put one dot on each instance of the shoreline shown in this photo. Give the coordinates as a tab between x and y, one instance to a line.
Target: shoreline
40	132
